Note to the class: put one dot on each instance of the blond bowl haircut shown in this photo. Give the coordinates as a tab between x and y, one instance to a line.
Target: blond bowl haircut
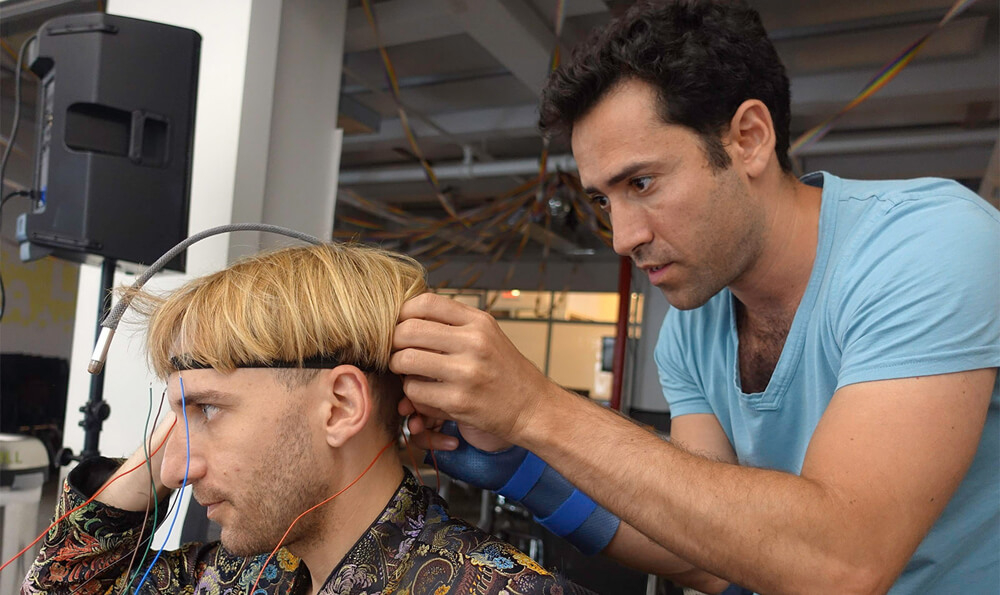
338	301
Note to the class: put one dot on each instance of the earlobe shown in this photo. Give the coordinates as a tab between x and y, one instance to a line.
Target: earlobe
349	407
752	136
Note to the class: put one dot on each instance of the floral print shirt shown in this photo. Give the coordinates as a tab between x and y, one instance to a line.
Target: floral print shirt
413	548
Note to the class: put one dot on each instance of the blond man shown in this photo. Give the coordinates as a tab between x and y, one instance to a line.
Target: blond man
277	375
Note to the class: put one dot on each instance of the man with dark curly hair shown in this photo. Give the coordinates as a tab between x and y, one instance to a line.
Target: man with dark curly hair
830	359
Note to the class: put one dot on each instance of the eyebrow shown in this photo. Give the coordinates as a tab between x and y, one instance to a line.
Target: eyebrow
629	171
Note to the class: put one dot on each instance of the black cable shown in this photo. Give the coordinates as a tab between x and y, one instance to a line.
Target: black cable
10	145
110	322
15	194
17	108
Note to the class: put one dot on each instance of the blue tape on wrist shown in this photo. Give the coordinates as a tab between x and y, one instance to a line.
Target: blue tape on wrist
570	515
595	533
525	478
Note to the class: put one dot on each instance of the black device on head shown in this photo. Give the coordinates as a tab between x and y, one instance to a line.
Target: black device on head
319	362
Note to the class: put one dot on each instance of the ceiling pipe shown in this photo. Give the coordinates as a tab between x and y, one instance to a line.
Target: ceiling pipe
457	170
837	145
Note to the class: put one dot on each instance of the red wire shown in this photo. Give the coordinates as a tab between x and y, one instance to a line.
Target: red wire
287	531
413	459
437	472
91	499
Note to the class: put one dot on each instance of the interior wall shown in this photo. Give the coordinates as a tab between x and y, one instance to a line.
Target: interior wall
529	336
575	359
41	295
40	305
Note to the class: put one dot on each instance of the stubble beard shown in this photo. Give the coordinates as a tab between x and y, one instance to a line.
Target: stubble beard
728	253
285	486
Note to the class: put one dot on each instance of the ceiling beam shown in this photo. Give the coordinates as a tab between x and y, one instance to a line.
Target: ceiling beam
510	30
835	144
410	21
399	22
970	79
517	121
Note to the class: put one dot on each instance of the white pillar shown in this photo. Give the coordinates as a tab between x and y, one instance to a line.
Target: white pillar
305	142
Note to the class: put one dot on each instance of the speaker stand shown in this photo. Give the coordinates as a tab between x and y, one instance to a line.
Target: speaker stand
96	410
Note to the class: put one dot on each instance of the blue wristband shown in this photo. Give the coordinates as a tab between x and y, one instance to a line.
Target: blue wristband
520	475
570	515
524	478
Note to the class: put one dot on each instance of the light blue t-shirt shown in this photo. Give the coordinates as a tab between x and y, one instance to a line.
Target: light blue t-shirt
906	282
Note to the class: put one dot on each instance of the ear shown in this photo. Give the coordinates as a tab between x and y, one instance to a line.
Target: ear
751	137
348	403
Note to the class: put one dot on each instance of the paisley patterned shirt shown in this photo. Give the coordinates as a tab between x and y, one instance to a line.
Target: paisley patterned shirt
413	548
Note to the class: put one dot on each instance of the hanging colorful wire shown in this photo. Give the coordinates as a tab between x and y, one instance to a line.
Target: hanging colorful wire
390	73
89	500
489	228
884	75
180	493
152	494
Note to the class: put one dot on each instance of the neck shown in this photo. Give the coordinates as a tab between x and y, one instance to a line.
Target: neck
346	518
772	287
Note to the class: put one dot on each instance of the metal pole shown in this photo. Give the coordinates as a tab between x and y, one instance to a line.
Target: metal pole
621	330
96	410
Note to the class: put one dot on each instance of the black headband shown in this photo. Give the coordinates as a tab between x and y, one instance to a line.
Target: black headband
316	362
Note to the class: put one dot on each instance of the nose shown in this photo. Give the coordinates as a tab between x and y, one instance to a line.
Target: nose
629	228
175	459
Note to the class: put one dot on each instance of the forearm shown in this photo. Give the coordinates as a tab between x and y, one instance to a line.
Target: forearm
85	546
631	548
763	529
132	490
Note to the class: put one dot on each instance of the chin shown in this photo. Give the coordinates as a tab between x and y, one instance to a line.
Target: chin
241	545
686	299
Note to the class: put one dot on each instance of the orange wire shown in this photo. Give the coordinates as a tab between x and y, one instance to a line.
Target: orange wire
437	472
413	459
287	531
89	500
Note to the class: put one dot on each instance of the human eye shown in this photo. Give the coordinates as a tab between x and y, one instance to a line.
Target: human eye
601	201
208	411
641	183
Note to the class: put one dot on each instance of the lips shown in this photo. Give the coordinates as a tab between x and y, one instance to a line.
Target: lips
210	508
210	502
656	272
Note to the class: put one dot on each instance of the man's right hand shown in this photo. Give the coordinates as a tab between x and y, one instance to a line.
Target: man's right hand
457	364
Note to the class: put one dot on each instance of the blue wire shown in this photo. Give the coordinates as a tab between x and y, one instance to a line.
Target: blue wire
180	494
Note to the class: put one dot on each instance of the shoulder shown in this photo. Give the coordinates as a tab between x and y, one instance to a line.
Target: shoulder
907	207
475	558
509	569
923	230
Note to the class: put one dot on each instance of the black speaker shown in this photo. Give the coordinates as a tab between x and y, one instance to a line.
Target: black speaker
116	108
